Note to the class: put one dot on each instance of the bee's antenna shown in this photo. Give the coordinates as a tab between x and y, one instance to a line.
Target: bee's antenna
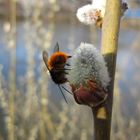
62	93
66	90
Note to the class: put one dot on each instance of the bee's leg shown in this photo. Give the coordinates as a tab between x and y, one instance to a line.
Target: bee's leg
67	64
66	72
66	90
62	69
62	93
66	69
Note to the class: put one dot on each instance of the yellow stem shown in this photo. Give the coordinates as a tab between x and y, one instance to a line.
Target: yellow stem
110	31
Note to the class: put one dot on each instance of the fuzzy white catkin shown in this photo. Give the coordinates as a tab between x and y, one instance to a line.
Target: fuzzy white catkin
88	64
99	5
88	14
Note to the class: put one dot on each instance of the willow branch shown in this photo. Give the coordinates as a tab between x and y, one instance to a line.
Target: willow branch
110	31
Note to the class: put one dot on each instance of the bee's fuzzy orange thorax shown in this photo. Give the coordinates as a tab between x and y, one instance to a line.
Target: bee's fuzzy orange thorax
57	59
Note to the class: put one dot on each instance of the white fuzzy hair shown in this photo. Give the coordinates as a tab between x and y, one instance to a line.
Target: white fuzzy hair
88	64
87	14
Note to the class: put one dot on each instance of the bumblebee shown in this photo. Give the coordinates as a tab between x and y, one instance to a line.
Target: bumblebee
56	64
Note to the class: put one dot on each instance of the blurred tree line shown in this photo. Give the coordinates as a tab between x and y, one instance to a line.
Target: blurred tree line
46	5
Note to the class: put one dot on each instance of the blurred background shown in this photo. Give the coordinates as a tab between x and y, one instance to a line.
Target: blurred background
31	105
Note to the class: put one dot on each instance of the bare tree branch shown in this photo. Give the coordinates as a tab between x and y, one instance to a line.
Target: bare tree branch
110	31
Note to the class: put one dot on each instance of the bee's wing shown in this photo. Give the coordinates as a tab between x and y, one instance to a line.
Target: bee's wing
45	59
56	48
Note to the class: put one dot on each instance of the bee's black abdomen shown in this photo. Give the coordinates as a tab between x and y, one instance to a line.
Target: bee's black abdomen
58	76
